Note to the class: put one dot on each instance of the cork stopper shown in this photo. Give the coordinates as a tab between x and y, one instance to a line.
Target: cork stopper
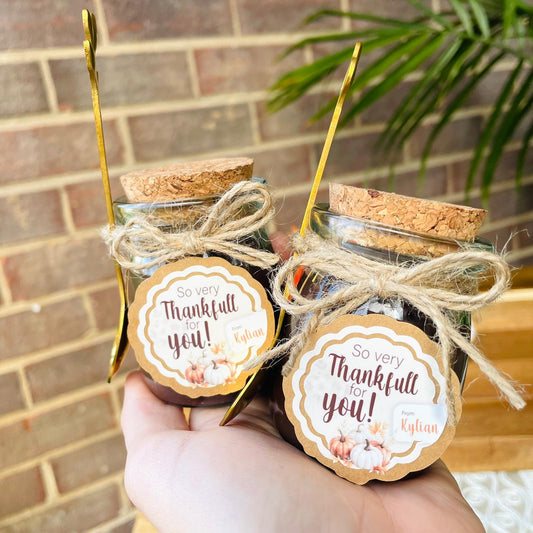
191	179
429	217
415	214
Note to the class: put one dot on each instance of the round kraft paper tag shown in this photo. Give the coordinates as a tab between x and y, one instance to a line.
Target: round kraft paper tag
367	398
196	322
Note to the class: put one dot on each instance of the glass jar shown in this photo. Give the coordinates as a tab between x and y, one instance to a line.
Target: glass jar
382	243
182	215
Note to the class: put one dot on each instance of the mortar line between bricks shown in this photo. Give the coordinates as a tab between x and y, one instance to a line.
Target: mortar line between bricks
308	55
157	45
5	291
350	178
193	74
345	6
149	108
13	363
203	103
91	318
409	166
25	388
119	521
313	162
459	115
254	123
458	197
62	498
450	184
445	159
515	255
54	181
50	455
34	244
187	104
515	219
170	45
66	212
101	22
123	128
63	400
49	86
35	304
235	18
49	479
46	183
51	182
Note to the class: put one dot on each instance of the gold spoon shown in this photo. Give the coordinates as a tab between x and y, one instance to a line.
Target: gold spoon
248	392
120	344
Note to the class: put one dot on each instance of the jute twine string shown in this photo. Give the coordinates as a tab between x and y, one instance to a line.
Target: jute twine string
436	288
219	231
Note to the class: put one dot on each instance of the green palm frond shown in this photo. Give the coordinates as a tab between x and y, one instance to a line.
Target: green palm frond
451	52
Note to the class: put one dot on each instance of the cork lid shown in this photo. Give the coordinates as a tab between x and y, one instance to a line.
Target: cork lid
414	214
186	180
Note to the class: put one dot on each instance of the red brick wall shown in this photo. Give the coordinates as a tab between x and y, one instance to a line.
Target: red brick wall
180	79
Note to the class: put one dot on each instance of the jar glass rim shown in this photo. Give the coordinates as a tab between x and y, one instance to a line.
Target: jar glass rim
124	206
341	228
126	209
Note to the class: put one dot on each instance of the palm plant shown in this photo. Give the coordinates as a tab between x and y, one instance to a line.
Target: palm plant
455	50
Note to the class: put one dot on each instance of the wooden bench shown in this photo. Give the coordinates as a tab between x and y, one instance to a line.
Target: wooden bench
491	435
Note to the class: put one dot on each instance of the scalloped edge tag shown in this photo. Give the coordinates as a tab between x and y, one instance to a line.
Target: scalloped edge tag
194	324
367	398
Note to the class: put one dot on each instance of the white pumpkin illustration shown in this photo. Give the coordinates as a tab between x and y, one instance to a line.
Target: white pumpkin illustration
230	364
366	457
204	359
361	434
216	374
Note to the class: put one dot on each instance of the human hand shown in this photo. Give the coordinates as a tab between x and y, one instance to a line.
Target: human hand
199	476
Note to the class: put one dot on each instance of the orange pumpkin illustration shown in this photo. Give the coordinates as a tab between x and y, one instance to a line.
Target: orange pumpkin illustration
385	452
195	373
341	446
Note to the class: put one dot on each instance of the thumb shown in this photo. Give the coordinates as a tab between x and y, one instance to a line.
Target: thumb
144	415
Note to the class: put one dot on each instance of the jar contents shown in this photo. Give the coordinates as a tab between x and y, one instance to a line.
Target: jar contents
366	393
194	243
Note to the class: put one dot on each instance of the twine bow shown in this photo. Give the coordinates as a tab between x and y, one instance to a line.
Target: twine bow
436	288
219	231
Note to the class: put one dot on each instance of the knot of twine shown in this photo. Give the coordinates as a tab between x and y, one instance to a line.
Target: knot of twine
218	231
436	288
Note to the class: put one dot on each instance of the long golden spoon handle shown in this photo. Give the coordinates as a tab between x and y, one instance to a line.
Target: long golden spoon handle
248	392
120	344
